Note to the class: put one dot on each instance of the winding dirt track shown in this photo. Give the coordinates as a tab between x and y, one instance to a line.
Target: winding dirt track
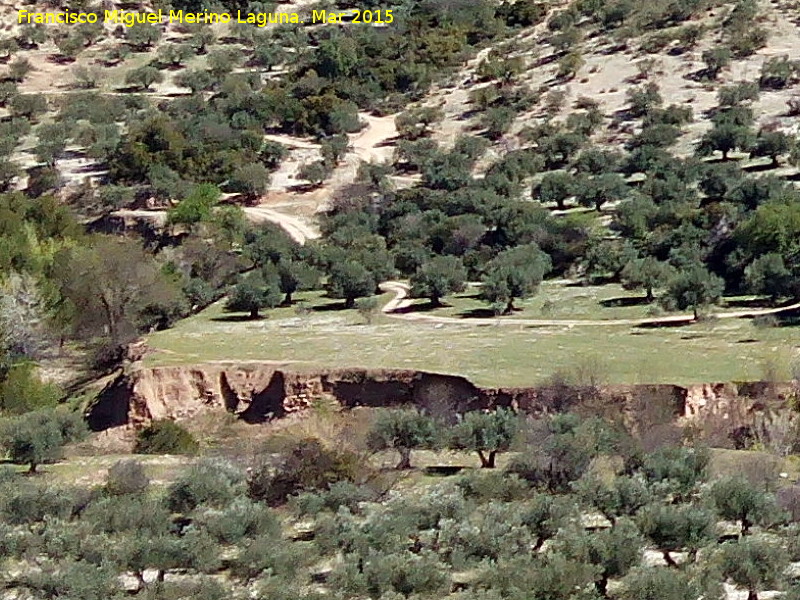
402	301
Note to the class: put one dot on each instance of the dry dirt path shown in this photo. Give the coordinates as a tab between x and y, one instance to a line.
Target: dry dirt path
298	230
402	300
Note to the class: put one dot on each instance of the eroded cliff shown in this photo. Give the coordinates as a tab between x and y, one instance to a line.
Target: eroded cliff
261	391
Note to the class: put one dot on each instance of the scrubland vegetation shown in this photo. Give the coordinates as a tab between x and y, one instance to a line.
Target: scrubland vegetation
604	190
570	505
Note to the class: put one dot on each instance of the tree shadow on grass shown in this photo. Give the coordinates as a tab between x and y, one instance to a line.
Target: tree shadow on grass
420	307
666	324
330	306
237	318
625	301
752	303
759	168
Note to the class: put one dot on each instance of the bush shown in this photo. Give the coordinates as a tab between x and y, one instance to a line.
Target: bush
211	482
165	437
126	477
341	493
307	466
242	518
486	486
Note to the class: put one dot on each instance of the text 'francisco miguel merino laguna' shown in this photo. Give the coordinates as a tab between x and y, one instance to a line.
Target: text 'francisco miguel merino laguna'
129	19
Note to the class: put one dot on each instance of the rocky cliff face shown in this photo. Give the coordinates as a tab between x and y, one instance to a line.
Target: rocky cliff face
261	391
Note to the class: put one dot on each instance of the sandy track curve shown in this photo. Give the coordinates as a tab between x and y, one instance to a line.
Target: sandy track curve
402	300
296	228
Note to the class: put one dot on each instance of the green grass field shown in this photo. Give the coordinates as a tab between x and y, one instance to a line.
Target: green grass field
490	355
557	300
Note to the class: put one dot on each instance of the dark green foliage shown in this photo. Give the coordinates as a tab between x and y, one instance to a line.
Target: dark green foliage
752	564
29	106
206	482
514	273
254	293
402	430
350	280
737	500
556	187
778	72
772	144
126	477
598	190
716	59
694	287
559	451
22	391
142	36
662	583
438	277
487	433
676	471
165	437
674	528
39	437
144	77
622	498
646	273
768	275
613	551
307	466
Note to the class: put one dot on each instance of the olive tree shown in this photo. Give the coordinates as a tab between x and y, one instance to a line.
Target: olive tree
487	433
437	277
514	273
753	564
403	430
39	437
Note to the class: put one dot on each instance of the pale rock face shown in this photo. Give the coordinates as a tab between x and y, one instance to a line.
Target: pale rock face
259	391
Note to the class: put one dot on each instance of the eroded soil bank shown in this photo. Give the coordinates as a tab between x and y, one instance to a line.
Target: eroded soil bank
261	391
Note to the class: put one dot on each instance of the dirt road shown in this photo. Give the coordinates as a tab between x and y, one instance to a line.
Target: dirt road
402	301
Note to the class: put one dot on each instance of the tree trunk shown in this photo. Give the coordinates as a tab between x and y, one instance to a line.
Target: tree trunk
746	524
694	310
405	459
775	162
602	586
487	460
32	468
436	301
752	595
254	313
725	155
509	307
349	302
287	299
649	296
670	561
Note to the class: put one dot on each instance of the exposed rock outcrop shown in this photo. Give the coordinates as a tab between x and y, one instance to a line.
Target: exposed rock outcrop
261	391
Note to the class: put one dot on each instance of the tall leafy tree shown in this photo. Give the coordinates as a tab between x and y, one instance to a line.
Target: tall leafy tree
439	276
487	433
38	437
695	287
753	564
514	273
402	430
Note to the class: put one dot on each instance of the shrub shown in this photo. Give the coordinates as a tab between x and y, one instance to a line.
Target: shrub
306	466
242	518
212	482
126	477
341	493
486	486
165	437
